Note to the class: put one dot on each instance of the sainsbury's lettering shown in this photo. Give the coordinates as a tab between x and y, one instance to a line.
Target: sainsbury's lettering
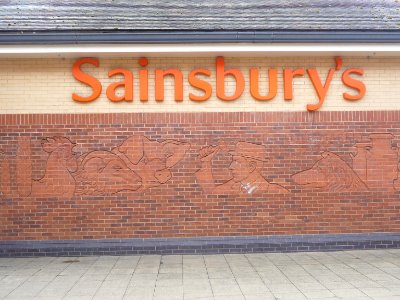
200	79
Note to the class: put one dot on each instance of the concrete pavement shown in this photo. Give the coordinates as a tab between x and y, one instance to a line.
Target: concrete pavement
364	274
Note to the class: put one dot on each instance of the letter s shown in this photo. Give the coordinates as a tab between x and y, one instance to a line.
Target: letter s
354	84
200	84
86	79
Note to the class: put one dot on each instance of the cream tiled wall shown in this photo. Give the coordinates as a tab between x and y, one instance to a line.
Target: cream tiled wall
46	85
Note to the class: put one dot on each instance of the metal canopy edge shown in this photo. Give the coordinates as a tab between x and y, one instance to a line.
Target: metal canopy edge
179	37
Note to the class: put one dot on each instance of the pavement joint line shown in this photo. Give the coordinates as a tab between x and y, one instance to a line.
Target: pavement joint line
54	259
97	290
66	294
258	273
341	275
316	277
183	288
233	275
134	270
158	273
208	275
285	274
16	287
60	271
396	277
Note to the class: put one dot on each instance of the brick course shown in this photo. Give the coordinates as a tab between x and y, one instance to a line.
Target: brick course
201	245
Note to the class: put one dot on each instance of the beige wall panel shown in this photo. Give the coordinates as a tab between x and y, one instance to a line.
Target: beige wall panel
46	85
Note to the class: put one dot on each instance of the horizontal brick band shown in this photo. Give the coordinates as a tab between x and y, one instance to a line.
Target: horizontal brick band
203	245
198	118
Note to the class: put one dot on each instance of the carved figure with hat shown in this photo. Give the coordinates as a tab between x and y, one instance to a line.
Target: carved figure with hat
245	168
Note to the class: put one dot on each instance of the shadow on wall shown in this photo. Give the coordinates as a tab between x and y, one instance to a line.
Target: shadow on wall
139	164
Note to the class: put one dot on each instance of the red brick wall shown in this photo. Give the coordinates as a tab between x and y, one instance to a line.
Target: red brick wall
346	194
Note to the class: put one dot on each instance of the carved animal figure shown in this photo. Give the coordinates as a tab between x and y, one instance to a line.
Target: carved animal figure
330	174
151	160
57	180
104	173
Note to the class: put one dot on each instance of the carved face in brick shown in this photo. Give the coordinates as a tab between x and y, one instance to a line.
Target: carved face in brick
241	167
246	159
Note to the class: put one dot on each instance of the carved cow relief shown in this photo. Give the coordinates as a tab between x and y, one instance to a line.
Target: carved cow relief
103	173
137	164
151	160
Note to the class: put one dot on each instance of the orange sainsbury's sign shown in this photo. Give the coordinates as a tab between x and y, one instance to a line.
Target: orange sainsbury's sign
350	78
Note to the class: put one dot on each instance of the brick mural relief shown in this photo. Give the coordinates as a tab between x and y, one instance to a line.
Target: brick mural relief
382	161
140	175
57	180
151	160
330	174
247	160
104	173
375	168
137	164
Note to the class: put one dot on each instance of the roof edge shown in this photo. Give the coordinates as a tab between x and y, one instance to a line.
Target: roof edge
179	37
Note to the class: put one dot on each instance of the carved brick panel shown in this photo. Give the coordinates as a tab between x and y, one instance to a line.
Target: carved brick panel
98	176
